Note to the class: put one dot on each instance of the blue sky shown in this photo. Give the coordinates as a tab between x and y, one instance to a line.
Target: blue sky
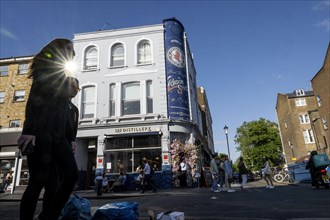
245	51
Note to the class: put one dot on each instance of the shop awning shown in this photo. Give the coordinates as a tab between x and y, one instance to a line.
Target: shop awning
9	138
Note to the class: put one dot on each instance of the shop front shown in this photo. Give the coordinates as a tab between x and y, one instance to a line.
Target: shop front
10	162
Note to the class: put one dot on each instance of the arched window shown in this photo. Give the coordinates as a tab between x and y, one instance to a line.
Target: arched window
90	58
117	55
144	52
131	98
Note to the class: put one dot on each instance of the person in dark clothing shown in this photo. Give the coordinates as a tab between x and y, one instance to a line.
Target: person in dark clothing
242	172
71	133
72	124
311	167
44	131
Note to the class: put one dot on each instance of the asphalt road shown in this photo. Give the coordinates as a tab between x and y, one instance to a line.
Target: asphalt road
294	201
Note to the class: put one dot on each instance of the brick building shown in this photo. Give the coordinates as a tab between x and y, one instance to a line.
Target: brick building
320	117
296	132
14	90
303	117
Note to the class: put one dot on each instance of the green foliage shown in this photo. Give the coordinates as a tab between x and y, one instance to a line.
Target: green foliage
257	139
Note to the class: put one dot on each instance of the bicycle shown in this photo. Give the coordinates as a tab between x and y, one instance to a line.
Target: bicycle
283	176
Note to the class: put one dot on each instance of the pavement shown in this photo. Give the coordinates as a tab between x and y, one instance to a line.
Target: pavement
7	196
91	194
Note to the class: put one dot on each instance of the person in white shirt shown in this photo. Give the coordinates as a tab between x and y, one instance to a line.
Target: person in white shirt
228	167
215	173
147	177
183	177
267	174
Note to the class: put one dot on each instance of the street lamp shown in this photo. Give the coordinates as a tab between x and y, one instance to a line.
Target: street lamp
226	132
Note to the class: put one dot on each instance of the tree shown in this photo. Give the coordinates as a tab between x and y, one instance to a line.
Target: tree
257	139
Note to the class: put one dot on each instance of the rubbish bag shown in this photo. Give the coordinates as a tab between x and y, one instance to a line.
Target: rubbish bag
77	208
117	211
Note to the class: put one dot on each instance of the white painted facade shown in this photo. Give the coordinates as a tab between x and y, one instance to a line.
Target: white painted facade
102	124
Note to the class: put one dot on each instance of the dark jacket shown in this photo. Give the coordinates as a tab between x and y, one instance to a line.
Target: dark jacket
72	123
241	168
46	106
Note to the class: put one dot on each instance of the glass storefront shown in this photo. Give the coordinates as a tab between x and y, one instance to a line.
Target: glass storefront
126	153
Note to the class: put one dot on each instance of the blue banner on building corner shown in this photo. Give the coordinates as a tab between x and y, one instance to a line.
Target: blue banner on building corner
176	73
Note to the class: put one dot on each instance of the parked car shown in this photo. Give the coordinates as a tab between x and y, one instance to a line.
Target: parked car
250	176
237	178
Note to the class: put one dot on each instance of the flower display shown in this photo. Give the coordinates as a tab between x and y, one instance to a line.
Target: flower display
185	150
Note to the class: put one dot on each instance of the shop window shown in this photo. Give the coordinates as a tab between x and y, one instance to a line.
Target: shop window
126	153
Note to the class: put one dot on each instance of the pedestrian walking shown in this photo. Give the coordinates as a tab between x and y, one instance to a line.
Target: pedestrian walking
215	173
43	138
8	179
98	184
147	177
71	133
242	172
266	173
310	166
222	173
228	167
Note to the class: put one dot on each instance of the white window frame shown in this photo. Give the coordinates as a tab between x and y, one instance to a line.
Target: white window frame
19	96
304	119
300	102
4	70
308	136
143	52
319	101
15	123
2	96
90	58
120	57
112	104
23	68
88	103
300	92
127	100
325	123
149	91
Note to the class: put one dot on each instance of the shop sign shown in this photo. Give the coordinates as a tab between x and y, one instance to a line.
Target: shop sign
99	162
133	129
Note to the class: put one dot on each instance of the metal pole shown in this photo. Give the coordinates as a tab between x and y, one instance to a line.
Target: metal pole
15	172
228	146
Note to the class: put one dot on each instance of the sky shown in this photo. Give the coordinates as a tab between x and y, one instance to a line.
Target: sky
245	52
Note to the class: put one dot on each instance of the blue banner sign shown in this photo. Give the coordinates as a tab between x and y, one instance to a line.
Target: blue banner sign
176	73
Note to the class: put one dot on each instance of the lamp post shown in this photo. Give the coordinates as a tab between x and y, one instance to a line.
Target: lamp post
226	132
